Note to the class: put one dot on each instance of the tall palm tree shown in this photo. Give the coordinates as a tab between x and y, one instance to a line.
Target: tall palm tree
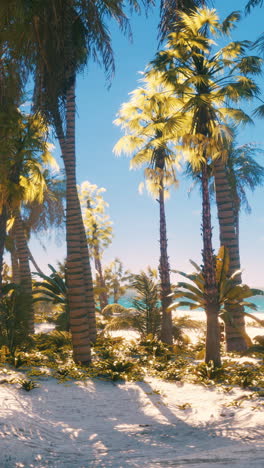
206	78
38	218
231	180
60	38
243	173
98	230
24	184
149	119
10	95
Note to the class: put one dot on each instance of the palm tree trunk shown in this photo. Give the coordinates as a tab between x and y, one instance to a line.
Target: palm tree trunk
212	348
15	266
68	155
3	222
14	258
24	271
229	237
164	272
81	301
33	261
88	280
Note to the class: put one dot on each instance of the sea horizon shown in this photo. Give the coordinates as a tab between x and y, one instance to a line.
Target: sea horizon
127	299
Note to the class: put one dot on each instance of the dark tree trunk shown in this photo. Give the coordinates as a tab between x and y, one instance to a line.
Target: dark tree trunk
229	237
85	259
24	271
212	350
15	266
88	281
164	272
14	258
3	222
77	294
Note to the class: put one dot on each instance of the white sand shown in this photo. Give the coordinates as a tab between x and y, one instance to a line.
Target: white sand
103	424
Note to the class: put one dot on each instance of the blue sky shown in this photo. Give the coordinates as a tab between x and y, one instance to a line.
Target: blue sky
134	216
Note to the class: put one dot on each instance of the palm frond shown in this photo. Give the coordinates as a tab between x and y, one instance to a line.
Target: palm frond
253	3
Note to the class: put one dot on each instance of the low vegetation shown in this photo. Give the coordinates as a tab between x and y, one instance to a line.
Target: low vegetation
115	359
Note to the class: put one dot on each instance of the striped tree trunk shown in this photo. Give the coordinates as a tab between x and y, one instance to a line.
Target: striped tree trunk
88	280
212	347
79	278
236	338
3	222
85	257
14	258
68	155
164	272
25	279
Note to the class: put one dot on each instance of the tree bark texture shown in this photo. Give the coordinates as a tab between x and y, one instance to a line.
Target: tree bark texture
14	258
228	223
24	270
3	222
79	278
164	272
212	350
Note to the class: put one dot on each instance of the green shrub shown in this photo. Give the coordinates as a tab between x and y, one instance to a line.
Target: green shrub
245	375
209	371
118	369
108	347
154	347
171	371
28	385
55	340
53	289
13	319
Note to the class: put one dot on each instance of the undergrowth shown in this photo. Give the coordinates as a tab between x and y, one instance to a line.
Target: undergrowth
50	355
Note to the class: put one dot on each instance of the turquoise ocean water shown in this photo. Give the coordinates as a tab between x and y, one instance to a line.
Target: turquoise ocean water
258	300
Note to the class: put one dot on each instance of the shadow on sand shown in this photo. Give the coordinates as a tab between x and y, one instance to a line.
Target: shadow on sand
101	424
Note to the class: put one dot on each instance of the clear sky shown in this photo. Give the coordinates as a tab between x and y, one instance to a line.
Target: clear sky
134	216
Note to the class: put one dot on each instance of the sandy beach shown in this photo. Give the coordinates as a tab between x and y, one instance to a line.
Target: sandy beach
154	423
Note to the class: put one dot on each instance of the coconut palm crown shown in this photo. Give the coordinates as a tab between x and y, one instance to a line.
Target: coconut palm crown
150	120
211	81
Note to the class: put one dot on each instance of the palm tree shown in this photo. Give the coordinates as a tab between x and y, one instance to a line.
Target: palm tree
243	173
116	279
252	4
98	229
33	216
229	294
61	37
24	183
10	95
231	179
37	218
205	80
240	172
149	119
144	316
169	13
